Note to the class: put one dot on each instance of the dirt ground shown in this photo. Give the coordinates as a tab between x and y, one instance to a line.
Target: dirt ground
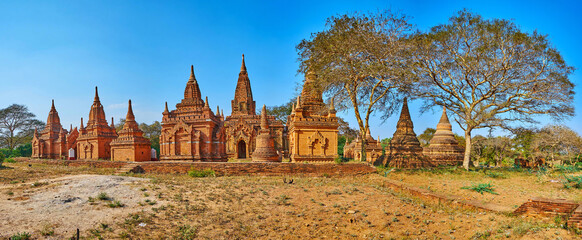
513	187
243	207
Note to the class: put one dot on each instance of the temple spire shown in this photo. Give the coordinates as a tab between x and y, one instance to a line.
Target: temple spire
206	103
112	123
82	124
243	67
53	105
192	77
96	95
264	123
217	110
166	109
130	116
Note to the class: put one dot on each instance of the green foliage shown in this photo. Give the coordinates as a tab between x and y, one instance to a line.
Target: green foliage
498	175
567	168
572	182
115	204
282	111
1	158
21	236
201	173
341	142
17	126
10	160
103	197
481	188
187	232
426	136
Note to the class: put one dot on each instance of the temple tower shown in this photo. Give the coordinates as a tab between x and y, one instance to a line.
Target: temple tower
405	150
312	126
444	149
265	150
130	145
51	142
192	132
94	140
243	125
373	148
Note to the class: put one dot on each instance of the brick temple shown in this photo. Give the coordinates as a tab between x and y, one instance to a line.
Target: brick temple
312	126
130	145
52	140
243	124
373	148
192	131
444	148
404	150
95	139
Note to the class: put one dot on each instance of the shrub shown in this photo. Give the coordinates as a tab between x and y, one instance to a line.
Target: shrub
498	175
1	158
103	196
201	173
481	188
20	236
187	232
115	204
10	160
573	182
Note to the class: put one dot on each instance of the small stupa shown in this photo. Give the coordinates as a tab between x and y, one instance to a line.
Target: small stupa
444	149
130	145
405	150
265	150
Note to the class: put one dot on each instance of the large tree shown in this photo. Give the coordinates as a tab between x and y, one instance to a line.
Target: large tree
489	74
17	126
362	62
557	143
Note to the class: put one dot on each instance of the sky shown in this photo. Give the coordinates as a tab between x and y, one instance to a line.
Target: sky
142	50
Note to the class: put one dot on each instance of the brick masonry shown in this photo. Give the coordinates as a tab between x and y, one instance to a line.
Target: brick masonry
230	169
570	210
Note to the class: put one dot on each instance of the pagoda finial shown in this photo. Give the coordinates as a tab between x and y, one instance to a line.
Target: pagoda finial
192	77
112	123
71	128
264	123
217	110
35	132
130	116
206	103
222	113
243	67
166	109
82	124
96	95
293	108
298	104
53	105
331	106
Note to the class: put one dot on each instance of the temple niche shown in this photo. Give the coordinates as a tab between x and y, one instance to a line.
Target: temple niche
95	139
243	125
52	140
130	145
443	148
313	127
373	148
404	150
192	131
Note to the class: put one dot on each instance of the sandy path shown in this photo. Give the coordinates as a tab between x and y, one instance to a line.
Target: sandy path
64	203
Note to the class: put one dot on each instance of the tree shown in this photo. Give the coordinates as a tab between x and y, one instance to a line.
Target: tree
152	132
426	136
282	111
361	62
557	142
489	74
345	130
17	126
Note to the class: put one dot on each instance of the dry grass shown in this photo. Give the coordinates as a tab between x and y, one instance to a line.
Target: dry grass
246	207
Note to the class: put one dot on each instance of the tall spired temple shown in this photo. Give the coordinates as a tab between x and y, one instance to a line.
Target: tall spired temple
95	139
243	125
405	150
130	145
192	131
52	140
373	148
444	149
312	126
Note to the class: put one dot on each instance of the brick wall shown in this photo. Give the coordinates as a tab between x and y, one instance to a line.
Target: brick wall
547	207
222	168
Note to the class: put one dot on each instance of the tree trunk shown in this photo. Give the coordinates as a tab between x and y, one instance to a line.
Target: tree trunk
364	143
467	159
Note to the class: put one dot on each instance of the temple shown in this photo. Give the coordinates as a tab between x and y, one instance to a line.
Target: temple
444	149
404	149
265	150
130	145
373	148
312	126
243	125
192	132
94	140
52	140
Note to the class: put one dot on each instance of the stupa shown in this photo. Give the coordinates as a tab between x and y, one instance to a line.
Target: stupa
130	145
404	149
265	150
443	148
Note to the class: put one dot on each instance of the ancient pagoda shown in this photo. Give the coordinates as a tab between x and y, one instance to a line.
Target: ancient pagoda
192	132
444	148
404	149
52	140
130	145
265	150
243	125
373	148
94	140
312	126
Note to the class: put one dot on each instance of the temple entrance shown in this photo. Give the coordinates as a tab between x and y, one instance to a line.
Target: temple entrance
241	149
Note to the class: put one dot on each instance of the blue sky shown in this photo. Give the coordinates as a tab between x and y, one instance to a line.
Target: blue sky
142	50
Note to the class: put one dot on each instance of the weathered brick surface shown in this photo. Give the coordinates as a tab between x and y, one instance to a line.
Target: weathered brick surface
544	207
222	168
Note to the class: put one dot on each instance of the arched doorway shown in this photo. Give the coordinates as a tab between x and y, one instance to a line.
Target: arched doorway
241	149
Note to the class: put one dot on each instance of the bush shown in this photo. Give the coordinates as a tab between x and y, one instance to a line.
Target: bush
10	160
573	182
1	158
20	236
201	173
481	188
103	196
